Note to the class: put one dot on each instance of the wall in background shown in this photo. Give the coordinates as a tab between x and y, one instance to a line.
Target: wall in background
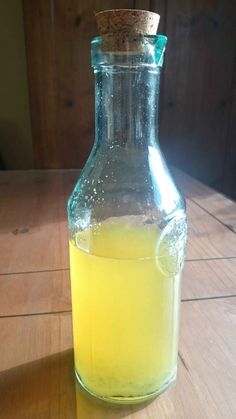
198	120
198	96
198	101
15	128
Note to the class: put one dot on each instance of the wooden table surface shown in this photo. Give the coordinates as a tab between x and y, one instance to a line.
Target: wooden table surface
36	358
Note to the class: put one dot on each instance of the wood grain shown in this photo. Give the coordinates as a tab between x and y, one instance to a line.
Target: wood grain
36	380
34	293
36	359
58	36
26	339
33	224
198	74
35	353
197	93
218	205
44	292
209	279
207	238
33	221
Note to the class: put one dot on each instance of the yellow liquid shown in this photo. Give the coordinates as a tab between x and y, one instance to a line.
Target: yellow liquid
125	312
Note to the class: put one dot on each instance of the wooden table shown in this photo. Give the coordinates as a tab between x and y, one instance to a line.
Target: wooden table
36	360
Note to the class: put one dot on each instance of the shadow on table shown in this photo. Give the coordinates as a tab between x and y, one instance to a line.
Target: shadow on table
46	388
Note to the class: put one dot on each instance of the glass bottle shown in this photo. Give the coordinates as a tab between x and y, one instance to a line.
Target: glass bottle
127	226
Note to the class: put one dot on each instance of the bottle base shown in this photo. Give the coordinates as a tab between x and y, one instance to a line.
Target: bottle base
128	400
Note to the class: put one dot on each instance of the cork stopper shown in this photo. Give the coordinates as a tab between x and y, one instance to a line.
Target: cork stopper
117	25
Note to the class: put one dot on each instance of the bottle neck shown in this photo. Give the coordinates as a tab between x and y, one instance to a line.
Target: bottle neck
126	106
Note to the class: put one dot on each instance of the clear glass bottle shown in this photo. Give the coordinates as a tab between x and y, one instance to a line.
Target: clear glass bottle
127	225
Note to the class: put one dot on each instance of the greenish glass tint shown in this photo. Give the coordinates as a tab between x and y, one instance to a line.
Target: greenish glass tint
126	210
139	51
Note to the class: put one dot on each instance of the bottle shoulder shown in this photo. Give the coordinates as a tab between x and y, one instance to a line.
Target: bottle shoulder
118	183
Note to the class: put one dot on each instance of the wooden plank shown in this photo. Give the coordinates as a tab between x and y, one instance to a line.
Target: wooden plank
207	238
58	35
220	206
45	292
35	337
208	348
36	380
34	227
197	86
36	367
209	278
31	293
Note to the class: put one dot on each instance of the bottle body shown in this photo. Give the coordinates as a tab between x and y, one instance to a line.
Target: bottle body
125	314
127	227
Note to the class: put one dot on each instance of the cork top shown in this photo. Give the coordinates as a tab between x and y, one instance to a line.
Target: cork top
129	21
122	30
